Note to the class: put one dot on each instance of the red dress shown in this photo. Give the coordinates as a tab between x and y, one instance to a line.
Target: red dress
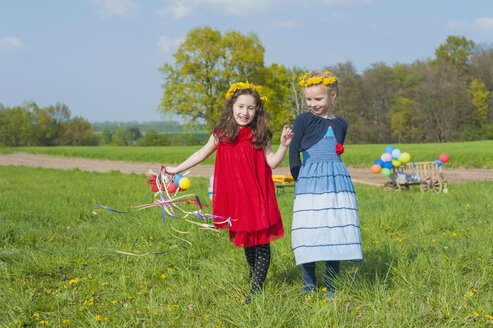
243	190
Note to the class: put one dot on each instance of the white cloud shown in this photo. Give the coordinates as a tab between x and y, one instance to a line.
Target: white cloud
482	27
110	8
484	23
10	44
181	8
167	44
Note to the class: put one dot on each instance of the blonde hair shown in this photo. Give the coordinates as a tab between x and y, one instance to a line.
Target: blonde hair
322	78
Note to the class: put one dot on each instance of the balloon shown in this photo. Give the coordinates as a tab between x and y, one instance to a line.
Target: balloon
386	157
376	168
184	183
444	158
396	163
172	187
379	162
404	157
389	149
387	165
396	153
386	172
439	163
178	178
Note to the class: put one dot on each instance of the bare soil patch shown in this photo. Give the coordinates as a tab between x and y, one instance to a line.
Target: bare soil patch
358	175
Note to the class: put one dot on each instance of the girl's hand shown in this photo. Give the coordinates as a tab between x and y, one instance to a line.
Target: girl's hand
286	136
171	170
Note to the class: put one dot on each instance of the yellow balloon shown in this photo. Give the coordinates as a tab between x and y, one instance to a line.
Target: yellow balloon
396	163
184	183
404	157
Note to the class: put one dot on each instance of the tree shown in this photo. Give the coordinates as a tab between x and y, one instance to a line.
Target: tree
152	138
380	85
206	64
106	137
456	51
276	88
16	128
121	138
479	99
79	132
443	103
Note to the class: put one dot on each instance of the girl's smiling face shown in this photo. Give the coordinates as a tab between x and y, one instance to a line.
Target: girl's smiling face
244	110
318	100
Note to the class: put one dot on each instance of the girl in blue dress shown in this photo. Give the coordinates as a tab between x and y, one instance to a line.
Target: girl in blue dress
325	216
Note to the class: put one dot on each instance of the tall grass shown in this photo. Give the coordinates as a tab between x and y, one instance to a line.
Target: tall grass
474	154
427	260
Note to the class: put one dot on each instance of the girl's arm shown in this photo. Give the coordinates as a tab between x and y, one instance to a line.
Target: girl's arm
294	147
274	159
196	157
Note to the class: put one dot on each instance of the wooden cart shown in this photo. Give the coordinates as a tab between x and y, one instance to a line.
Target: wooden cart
428	175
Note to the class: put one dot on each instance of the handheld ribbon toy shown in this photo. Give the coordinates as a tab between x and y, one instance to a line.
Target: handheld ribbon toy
169	202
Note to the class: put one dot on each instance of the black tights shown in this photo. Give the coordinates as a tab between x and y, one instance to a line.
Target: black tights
258	258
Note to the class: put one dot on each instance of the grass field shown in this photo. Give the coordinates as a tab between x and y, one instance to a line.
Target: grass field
475	154
427	260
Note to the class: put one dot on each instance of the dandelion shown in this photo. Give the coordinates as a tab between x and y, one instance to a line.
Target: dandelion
130	297
105	319
114	302
169	270
453	235
36	315
171	290
377	242
150	237
163	276
89	248
105	283
98	317
68	227
66	321
475	313
488	316
411	292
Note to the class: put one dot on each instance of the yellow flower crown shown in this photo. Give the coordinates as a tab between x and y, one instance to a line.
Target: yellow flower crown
244	85
306	82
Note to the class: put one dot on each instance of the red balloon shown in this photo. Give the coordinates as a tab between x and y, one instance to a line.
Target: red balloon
172	188
444	158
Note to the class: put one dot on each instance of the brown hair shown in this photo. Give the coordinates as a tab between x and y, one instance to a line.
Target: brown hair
227	130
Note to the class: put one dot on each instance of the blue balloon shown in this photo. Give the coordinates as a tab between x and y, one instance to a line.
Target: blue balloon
387	165
177	179
439	163
379	162
389	149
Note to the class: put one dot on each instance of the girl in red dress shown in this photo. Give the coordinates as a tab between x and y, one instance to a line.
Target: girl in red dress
243	188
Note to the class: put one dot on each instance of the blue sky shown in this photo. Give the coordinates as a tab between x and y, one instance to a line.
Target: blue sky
101	57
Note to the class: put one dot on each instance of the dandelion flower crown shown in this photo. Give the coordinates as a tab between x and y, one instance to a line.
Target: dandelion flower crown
306	81
245	85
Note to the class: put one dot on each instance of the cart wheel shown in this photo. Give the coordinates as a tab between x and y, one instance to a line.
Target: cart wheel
436	185
424	185
392	185
431	184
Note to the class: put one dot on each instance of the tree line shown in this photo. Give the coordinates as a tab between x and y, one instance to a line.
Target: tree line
447	98
29	125
443	99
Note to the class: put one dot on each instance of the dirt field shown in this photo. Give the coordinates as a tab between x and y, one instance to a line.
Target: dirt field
358	175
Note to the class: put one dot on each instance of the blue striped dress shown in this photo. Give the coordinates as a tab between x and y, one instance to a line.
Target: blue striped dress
325	216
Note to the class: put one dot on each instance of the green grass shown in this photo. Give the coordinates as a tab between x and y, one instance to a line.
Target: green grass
474	154
427	260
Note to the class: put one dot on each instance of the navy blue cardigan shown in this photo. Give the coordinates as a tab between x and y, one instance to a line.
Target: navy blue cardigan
308	129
